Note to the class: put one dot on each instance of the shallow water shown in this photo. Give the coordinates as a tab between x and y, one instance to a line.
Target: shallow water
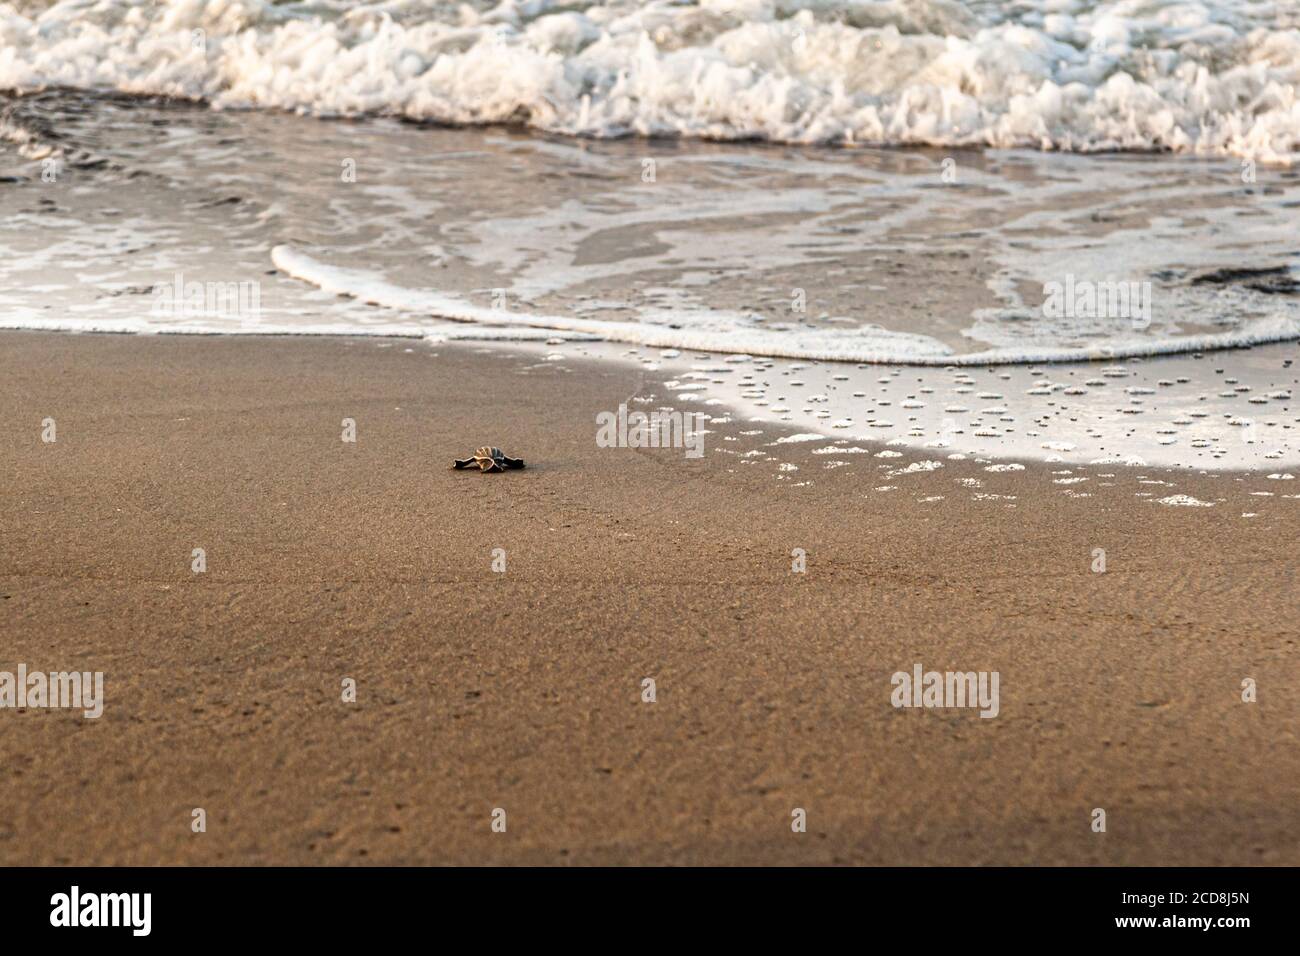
1223	410
861	255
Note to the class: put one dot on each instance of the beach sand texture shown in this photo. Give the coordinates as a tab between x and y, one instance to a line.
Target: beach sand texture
522	690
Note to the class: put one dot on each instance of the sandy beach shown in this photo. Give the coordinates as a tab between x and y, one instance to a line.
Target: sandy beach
479	454
523	690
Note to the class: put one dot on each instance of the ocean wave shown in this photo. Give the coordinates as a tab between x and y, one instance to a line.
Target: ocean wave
1212	78
871	345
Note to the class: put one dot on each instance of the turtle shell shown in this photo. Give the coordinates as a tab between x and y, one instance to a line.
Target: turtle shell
489	458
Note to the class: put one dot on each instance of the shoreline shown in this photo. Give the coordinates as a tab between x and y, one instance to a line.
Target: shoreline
679	362
522	689
646	336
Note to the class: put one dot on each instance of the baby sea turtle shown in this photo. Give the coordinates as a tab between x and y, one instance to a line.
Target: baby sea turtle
489	459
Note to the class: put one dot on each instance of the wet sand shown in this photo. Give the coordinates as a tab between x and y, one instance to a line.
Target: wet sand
521	690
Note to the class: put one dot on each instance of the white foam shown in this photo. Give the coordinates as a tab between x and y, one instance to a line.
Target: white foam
804	437
718	332
1208	77
1184	501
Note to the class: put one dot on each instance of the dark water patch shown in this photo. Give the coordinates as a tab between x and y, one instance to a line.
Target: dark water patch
1275	280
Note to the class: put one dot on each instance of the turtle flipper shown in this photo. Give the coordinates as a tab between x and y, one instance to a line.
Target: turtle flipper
463	462
512	462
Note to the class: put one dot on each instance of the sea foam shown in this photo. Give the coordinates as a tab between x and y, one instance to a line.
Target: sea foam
1214	78
713	333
